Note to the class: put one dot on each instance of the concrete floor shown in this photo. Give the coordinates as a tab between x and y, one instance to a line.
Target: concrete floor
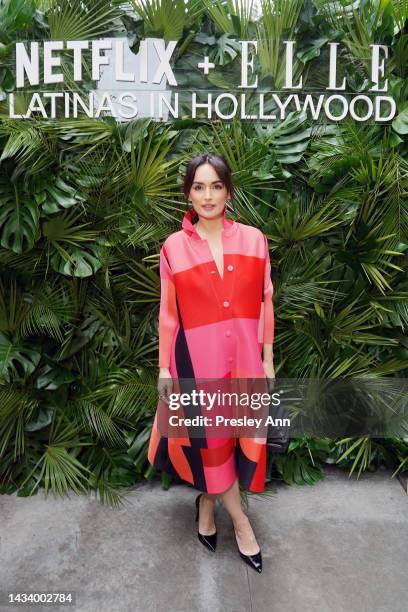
341	545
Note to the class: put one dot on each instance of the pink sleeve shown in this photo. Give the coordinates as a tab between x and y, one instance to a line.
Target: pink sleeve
269	320
168	317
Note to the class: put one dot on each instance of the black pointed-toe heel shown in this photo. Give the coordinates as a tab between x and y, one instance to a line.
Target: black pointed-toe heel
254	561
209	541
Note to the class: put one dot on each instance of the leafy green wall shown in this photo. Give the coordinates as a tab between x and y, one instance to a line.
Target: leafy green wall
85	205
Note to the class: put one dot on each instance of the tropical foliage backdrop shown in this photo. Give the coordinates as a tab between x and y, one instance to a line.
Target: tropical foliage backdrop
85	205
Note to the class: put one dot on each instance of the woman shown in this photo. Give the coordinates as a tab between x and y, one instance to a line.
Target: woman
216	318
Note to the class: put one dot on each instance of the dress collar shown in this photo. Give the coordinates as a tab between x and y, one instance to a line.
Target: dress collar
189	227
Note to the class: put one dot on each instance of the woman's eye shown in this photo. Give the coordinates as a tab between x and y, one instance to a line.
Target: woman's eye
218	186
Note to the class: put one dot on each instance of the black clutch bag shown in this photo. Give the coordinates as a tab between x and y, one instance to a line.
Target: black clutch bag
277	440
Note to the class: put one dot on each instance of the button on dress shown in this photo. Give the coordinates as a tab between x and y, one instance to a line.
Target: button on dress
213	328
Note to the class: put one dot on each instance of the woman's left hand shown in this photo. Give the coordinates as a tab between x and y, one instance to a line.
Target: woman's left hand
269	372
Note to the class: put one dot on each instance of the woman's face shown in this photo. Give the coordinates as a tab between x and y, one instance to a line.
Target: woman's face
208	193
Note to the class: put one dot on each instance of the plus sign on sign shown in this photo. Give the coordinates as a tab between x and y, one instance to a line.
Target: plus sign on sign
206	65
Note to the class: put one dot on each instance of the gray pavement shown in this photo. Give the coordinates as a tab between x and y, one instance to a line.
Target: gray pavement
338	546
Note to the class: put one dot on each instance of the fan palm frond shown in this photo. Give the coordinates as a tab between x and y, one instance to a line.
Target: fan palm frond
16	409
163	18
231	16
279	19
80	19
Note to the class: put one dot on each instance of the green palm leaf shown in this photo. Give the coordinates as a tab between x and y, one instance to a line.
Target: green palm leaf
72	252
231	16
80	19
99	423
16	359
19	219
58	469
162	18
362	446
144	282
48	310
16	409
29	144
278	21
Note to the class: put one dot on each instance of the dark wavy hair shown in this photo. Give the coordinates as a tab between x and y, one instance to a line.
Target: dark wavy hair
217	162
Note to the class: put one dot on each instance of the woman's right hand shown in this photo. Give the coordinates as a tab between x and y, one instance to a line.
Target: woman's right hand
165	385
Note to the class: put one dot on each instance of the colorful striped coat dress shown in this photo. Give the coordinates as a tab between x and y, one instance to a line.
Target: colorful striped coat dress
213	328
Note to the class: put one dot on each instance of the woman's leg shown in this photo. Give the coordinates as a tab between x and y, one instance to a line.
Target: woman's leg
243	531
206	519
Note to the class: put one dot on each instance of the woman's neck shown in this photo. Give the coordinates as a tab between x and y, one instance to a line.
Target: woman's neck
210	226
